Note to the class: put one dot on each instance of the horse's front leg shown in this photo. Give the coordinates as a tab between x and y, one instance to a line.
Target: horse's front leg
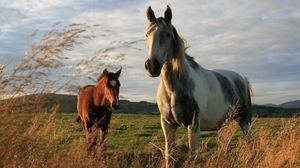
104	137
94	135
169	133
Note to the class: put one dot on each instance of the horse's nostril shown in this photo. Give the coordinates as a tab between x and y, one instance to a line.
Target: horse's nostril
156	64
147	64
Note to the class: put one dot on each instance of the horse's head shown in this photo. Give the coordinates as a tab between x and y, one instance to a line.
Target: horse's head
111	84
160	41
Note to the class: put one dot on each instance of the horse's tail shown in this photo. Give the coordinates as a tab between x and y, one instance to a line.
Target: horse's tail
250	90
78	119
249	101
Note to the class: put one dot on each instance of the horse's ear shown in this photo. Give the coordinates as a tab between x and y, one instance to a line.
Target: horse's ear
168	14
118	73
105	71
150	14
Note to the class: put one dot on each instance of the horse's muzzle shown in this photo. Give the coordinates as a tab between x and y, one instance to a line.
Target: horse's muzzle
153	67
116	106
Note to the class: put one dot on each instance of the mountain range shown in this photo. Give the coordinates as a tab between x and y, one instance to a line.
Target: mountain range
290	104
48	102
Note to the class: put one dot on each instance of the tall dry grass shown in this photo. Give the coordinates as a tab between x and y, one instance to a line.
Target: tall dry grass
271	147
31	75
36	145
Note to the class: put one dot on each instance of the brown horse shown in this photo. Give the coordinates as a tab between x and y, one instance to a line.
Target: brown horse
95	104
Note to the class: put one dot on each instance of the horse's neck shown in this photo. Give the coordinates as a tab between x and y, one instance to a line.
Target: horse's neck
98	95
176	74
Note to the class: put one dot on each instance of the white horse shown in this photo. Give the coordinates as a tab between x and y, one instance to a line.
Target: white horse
188	94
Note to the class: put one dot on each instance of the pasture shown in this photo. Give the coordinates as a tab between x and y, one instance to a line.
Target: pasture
136	140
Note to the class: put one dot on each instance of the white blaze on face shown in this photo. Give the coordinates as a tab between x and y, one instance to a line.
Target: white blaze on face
150	40
113	83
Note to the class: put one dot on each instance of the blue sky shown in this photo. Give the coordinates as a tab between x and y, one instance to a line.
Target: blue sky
259	39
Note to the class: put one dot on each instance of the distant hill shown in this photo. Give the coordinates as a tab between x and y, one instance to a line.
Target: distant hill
67	104
137	107
265	111
40	103
291	104
270	105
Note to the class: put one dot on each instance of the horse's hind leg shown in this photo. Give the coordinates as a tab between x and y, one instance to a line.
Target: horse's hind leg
194	137
194	133
86	130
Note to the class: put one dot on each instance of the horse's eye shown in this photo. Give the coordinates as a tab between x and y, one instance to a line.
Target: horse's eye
168	35
146	35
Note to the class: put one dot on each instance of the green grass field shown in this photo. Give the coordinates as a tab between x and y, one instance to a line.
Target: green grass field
134	140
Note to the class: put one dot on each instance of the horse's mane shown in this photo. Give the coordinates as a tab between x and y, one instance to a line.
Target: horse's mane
179	50
109	75
178	45
100	77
